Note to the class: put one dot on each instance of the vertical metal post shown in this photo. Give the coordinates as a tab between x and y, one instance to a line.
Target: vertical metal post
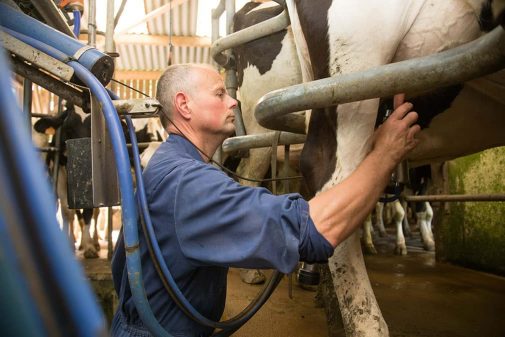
109	30
230	13
27	102
231	73
273	162
285	169
57	153
216	14
109	233
92	23
110	48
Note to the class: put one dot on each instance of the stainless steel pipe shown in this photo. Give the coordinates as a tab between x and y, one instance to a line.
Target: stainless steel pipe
248	34
261	140
477	58
456	197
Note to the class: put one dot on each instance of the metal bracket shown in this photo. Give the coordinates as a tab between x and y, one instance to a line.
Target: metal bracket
36	57
137	108
104	172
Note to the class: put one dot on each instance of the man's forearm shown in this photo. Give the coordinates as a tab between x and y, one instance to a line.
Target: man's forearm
338	211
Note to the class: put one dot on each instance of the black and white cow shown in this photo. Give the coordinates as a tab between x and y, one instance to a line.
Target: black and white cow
271	65
348	36
419	180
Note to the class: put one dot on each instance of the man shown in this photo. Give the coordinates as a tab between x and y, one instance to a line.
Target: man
205	222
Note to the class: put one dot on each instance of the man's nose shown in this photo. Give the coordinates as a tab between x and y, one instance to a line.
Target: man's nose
233	102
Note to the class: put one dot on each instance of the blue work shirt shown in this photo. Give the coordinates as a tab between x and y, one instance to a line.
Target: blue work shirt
205	222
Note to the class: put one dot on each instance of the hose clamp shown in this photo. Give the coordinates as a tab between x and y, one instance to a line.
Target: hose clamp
81	51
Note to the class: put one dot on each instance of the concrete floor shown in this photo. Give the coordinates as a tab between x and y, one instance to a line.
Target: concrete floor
418	298
281	316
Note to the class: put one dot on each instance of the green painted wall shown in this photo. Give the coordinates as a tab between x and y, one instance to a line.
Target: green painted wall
473	233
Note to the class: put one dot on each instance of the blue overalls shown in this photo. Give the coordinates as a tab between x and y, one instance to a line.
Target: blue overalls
205	222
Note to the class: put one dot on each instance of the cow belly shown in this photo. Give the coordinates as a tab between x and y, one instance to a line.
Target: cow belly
284	72
434	31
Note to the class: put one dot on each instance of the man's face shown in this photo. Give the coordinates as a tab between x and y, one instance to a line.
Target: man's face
212	107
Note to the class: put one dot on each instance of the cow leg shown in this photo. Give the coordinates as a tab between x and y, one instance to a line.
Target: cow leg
424	222
357	306
367	237
399	215
87	245
379	211
68	216
96	242
406	226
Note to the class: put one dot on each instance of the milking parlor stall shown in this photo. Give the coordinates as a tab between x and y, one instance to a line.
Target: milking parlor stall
79	122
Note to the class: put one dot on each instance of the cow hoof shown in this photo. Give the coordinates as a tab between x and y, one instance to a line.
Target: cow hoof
401	250
97	246
90	253
429	246
370	249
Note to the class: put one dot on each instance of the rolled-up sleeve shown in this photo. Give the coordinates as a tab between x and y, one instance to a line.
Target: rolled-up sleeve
220	222
314	248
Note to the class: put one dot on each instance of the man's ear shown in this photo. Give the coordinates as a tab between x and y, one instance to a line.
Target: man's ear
181	101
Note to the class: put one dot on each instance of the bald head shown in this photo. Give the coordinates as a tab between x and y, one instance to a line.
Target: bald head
176	78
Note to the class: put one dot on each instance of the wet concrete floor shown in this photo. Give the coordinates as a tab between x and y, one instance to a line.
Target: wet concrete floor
418	298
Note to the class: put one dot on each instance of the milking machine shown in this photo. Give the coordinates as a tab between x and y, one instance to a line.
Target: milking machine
94	69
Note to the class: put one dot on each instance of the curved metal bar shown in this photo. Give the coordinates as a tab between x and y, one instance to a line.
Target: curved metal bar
248	34
260	140
456	197
480	57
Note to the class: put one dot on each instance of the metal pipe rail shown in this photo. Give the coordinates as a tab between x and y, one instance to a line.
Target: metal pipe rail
248	34
261	140
456	197
477	58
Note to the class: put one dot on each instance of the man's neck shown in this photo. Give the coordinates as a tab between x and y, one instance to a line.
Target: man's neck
207	146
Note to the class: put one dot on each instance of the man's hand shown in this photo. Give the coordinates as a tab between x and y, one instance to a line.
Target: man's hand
396	136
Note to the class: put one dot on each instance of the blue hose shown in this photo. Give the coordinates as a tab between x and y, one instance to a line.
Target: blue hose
65	277
77	23
129	210
97	62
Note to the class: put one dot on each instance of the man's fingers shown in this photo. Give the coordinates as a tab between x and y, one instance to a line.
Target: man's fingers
411	117
402	110
398	100
413	131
